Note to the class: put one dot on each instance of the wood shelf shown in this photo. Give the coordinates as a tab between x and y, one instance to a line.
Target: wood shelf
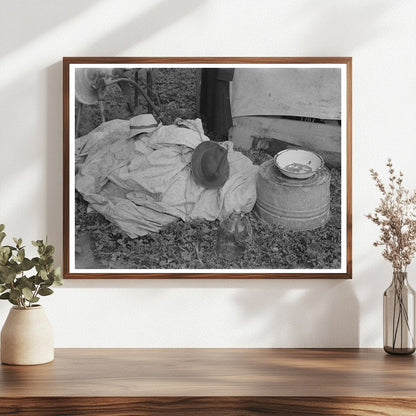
212	382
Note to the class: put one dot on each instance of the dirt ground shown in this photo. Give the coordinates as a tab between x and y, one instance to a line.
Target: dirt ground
100	244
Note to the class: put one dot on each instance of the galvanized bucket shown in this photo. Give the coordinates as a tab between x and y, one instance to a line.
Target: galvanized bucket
296	204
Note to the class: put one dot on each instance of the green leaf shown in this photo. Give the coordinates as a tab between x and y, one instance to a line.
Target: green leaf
18	242
45	260
58	281
24	282
49	250
5	250
8	277
13	302
15	294
21	255
37	243
57	272
14	268
2	227
2	236
27	293
37	280
11	248
43	274
26	264
4	255
45	291
2	288
5	295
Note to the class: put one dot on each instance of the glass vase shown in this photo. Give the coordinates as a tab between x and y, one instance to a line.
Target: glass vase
399	316
234	233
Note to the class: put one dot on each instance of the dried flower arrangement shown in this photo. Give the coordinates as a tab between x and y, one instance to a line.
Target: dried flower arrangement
396	217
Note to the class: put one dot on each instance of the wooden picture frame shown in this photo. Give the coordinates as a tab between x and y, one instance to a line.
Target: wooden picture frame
263	120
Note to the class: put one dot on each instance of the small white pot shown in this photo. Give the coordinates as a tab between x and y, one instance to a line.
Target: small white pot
27	337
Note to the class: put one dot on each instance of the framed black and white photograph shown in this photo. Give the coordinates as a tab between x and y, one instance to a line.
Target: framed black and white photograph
207	167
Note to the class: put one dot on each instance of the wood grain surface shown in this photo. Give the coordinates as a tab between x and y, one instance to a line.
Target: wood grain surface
212	381
208	406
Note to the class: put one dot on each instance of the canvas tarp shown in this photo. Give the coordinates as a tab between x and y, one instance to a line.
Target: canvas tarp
142	184
304	92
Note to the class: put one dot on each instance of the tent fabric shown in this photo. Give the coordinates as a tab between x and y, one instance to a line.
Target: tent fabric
303	92
144	183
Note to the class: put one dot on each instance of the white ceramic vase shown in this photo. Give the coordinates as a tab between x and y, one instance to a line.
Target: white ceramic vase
27	337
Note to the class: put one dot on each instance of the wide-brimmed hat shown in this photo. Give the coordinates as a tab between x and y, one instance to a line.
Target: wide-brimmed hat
143	123
210	165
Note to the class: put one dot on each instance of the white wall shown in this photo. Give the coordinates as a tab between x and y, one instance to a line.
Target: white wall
380	35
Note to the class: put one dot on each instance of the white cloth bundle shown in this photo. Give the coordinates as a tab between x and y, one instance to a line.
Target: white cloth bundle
144	183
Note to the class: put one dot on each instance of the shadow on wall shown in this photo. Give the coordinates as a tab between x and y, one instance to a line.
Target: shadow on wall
301	313
54	146
45	16
308	313
157	18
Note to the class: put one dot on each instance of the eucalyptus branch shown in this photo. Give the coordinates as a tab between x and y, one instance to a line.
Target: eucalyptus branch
15	286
